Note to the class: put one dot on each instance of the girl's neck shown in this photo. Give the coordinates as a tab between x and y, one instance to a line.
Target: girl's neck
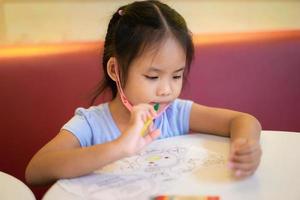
119	112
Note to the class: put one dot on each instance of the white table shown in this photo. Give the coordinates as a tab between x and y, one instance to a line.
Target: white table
12	188
278	176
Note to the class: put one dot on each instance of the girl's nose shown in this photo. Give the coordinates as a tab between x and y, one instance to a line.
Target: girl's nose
164	89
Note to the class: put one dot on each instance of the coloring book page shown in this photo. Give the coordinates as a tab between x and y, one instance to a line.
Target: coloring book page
151	172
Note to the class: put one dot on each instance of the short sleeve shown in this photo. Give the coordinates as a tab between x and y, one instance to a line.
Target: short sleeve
176	119
184	112
80	127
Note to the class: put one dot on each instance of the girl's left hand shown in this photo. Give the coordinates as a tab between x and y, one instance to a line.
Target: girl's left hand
244	157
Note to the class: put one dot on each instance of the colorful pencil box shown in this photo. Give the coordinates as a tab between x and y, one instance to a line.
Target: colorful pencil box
179	197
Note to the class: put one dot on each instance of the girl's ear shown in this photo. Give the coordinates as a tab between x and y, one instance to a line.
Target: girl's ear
111	68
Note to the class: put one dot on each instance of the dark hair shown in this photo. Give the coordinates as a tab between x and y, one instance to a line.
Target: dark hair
136	27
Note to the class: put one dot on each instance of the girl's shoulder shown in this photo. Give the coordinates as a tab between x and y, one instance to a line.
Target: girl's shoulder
180	104
179	107
93	111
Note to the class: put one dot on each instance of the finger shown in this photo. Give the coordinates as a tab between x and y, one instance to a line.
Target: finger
249	157
240	142
139	113
152	136
153	112
243	166
246	148
146	114
149	111
237	144
249	151
144	117
152	127
242	174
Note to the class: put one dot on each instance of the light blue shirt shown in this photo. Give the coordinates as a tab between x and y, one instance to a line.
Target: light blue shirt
95	125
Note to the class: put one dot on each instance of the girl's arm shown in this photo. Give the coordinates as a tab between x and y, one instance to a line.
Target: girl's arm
63	157
243	129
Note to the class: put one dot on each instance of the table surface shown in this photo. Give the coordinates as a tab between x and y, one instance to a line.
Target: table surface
12	188
278	176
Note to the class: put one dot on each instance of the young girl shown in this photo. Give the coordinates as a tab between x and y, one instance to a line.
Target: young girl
147	55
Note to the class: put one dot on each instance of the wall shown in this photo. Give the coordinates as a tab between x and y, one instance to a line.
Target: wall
2	23
46	21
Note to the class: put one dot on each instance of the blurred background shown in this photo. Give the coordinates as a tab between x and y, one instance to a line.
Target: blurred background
54	21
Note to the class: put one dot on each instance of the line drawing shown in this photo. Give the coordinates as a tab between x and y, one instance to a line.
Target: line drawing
148	173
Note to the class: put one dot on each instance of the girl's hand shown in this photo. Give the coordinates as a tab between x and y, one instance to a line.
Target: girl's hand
132	140
244	157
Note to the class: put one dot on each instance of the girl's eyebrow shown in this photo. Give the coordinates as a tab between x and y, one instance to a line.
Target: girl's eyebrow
159	70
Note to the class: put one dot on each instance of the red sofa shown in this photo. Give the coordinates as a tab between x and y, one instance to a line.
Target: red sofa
41	86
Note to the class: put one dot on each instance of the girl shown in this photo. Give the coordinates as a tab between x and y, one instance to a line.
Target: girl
147	55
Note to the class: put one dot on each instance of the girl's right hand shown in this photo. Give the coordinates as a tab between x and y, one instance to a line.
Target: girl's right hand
132	140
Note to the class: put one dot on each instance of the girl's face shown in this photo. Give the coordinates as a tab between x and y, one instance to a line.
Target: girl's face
157	76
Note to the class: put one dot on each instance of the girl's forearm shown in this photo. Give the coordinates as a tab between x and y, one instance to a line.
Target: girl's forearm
47	167
245	126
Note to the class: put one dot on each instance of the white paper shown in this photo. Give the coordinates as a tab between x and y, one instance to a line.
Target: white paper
151	172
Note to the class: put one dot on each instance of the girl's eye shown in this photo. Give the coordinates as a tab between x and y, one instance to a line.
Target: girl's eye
177	77
151	77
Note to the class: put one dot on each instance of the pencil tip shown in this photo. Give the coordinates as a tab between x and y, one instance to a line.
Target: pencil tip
156	106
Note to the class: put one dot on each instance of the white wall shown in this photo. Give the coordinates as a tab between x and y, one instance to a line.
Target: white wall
2	25
44	21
